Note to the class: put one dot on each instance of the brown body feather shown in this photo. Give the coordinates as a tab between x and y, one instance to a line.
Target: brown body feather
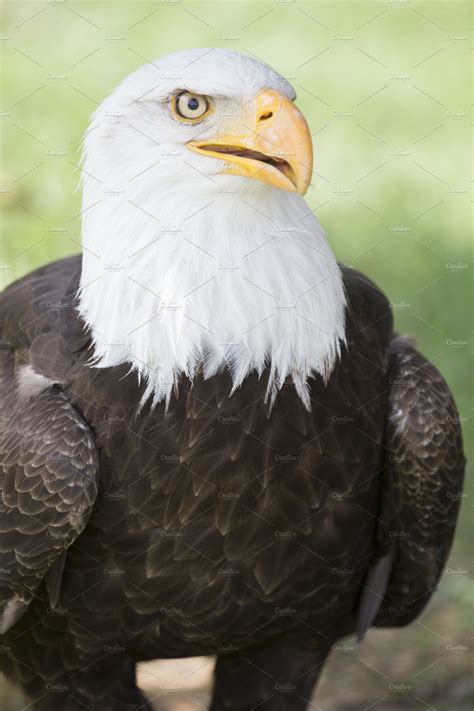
218	526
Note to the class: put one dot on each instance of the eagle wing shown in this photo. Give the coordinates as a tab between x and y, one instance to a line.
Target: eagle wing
421	491
48	462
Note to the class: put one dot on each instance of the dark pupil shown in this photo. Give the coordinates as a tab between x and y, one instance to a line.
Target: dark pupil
193	104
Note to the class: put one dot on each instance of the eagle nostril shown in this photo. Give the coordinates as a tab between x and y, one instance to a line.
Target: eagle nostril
266	115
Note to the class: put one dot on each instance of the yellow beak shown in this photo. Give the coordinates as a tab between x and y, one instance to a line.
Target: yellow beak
271	143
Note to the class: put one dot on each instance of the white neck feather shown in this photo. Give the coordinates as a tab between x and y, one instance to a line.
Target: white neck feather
229	274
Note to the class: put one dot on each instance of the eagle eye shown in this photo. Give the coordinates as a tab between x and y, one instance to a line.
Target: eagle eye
190	107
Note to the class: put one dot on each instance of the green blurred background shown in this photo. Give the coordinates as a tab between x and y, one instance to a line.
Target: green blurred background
385	87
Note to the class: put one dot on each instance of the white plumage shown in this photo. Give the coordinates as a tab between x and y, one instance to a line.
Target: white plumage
184	266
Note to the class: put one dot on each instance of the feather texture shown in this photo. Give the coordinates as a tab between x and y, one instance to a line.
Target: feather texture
238	276
220	522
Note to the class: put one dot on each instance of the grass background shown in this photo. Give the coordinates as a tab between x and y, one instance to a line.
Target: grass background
385	87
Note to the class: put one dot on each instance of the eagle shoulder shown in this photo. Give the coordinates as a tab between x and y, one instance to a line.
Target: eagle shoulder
367	305
38	318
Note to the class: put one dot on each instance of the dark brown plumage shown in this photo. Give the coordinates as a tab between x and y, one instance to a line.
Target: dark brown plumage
218	527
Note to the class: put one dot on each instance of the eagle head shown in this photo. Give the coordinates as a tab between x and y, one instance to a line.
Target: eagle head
208	113
199	251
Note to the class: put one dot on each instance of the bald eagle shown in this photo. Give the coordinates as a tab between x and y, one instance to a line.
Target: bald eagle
211	439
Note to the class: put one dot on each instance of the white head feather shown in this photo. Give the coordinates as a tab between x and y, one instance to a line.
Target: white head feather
185	267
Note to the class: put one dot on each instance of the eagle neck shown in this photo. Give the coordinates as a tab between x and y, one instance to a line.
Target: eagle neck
223	279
